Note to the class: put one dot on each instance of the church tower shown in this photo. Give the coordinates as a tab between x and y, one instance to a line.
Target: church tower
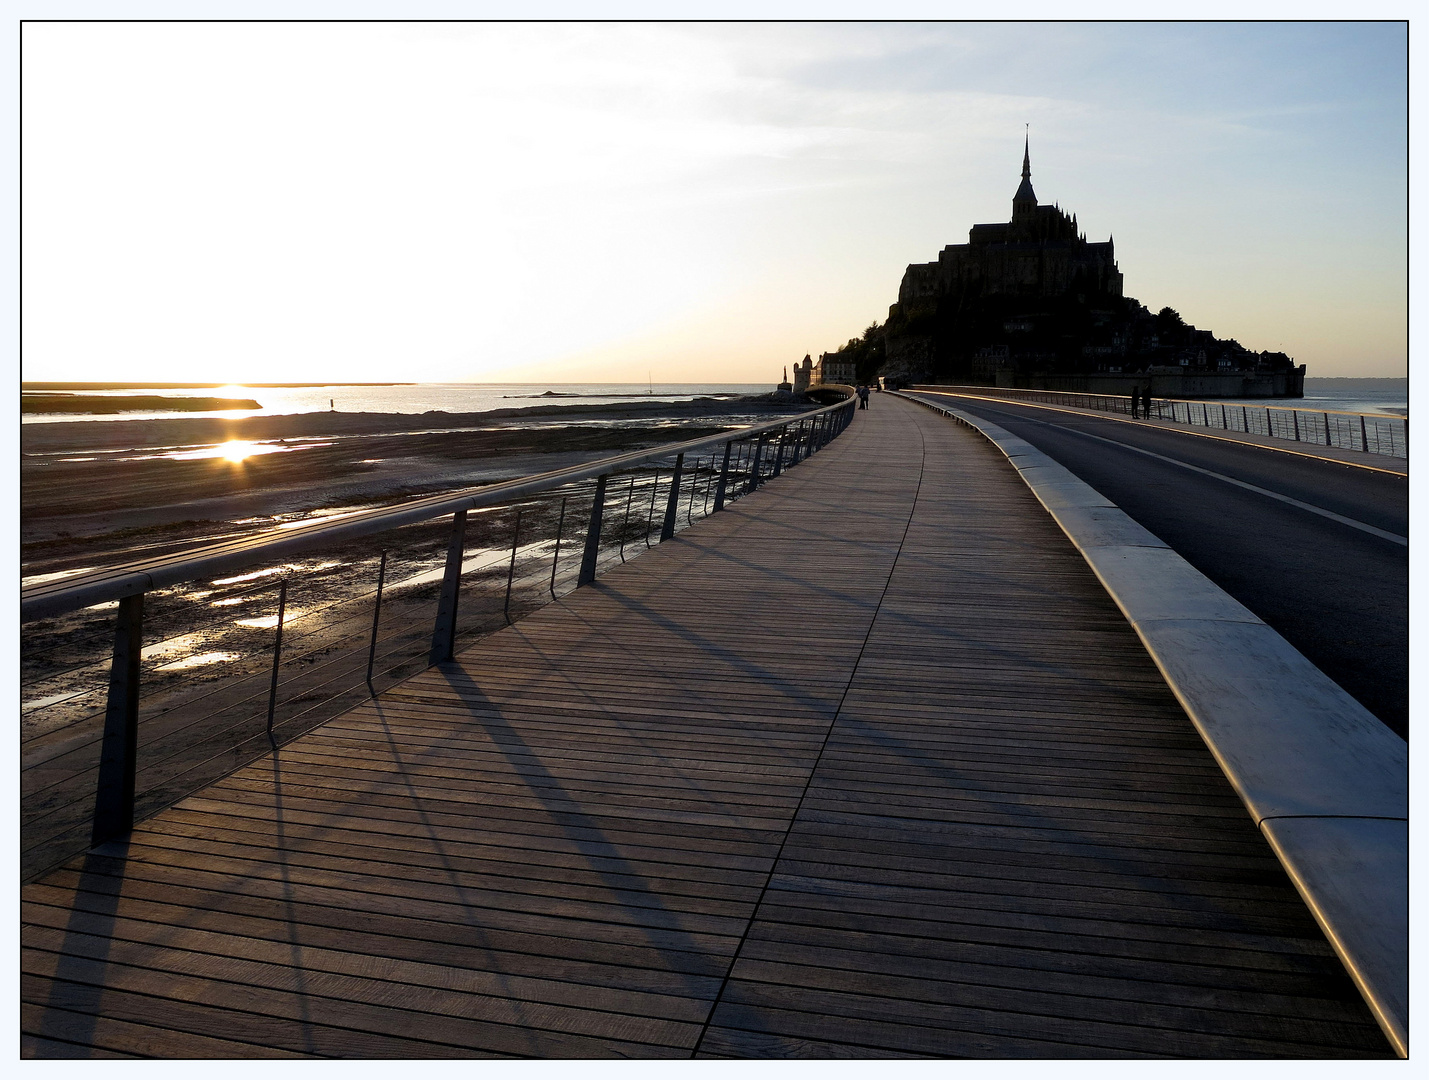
1024	203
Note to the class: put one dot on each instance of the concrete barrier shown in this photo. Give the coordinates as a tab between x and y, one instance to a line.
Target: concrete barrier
1325	781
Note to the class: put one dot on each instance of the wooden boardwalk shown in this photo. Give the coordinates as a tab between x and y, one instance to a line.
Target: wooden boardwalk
866	766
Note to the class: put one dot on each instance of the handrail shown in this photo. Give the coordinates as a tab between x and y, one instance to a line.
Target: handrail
117	779
1267	402
131	579
1316	427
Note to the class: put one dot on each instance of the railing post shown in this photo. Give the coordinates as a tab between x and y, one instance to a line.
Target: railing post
650	513
556	558
754	466
779	457
444	636
511	569
672	504
1295	416
376	614
723	478
592	536
277	658
625	525
1364	435
694	485
1327	429
114	797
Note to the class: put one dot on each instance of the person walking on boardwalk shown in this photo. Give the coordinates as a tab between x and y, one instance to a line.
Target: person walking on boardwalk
863	396
1135	400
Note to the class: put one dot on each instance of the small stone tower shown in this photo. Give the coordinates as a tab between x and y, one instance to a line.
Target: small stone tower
803	373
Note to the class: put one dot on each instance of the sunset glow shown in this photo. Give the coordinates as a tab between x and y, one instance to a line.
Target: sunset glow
690	202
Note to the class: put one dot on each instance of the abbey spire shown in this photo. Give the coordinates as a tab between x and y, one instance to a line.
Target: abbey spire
1026	199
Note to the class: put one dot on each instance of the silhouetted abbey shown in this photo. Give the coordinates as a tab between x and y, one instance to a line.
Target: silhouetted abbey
1031	303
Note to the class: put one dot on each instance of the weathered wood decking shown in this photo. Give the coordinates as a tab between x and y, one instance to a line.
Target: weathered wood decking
867	765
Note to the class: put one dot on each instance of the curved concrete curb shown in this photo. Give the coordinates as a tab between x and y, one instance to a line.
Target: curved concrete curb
1325	781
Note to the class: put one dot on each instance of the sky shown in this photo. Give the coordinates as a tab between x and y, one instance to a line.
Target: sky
684	202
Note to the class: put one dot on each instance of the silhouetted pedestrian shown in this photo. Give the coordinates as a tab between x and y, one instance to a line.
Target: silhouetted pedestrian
1135	400
863	396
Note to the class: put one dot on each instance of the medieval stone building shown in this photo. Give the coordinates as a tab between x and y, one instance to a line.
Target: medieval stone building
1031	302
1039	254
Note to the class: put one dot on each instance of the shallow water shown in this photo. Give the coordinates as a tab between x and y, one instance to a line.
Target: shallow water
1386	397
414	398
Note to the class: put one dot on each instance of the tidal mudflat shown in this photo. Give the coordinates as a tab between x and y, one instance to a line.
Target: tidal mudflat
101	493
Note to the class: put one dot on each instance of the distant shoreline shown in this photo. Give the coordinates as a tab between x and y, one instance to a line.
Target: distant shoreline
62	386
79	404
89	478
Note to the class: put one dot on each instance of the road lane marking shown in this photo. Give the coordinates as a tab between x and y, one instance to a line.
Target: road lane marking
1351	522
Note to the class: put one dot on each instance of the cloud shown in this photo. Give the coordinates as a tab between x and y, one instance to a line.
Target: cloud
307	200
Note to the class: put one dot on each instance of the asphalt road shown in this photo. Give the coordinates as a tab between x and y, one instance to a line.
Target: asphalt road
1337	592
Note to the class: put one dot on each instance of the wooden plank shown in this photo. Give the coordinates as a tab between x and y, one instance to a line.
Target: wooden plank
87	1036
695	975
866	766
391	1010
332	951
727	1043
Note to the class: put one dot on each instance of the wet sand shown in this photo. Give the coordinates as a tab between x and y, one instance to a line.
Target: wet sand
89	488
209	644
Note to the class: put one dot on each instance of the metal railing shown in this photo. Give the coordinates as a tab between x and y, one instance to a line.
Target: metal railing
243	645
1369	433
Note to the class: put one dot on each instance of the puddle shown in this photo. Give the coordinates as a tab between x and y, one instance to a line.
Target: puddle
320	516
485	561
198	660
54	699
235	451
267	572
162	649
